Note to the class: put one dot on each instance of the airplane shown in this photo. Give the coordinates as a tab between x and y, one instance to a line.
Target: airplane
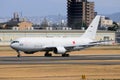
61	45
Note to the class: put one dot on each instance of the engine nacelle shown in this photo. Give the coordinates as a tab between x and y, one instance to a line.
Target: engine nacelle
59	50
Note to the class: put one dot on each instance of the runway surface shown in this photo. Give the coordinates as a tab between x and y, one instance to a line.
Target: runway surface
80	59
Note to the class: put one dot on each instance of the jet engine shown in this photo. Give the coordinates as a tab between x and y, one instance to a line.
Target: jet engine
59	50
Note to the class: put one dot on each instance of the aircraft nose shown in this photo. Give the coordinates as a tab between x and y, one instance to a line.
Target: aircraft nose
13	46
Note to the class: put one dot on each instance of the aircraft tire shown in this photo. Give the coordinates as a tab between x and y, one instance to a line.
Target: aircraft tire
65	55
48	55
18	55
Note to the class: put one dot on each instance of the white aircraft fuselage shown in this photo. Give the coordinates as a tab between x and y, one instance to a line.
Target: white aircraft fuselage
34	44
59	45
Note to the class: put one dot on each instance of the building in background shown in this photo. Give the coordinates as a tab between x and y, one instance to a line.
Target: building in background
80	13
6	36
106	22
16	23
118	23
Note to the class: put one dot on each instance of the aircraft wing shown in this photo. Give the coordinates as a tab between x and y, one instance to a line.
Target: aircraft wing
69	47
77	47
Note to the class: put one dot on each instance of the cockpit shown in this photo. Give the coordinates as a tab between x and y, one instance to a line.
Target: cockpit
14	42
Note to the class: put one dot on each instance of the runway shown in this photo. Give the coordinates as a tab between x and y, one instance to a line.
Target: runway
80	59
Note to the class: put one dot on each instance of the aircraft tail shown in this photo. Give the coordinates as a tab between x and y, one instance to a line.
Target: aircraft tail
92	29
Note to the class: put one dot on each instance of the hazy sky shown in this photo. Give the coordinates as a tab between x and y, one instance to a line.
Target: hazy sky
51	7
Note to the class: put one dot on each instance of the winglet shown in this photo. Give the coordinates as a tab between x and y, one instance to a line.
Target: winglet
92	29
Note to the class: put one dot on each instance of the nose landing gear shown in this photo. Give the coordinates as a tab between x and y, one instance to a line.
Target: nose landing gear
18	54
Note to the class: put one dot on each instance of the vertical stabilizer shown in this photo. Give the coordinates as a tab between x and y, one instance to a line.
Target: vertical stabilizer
92	29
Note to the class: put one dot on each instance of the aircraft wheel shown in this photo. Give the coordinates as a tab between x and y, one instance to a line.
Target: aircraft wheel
65	55
48	55
18	55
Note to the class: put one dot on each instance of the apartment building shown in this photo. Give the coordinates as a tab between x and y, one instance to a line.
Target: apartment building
80	13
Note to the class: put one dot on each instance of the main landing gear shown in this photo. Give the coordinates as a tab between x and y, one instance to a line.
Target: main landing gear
47	54
65	55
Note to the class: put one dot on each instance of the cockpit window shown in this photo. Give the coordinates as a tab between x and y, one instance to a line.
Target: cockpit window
15	42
